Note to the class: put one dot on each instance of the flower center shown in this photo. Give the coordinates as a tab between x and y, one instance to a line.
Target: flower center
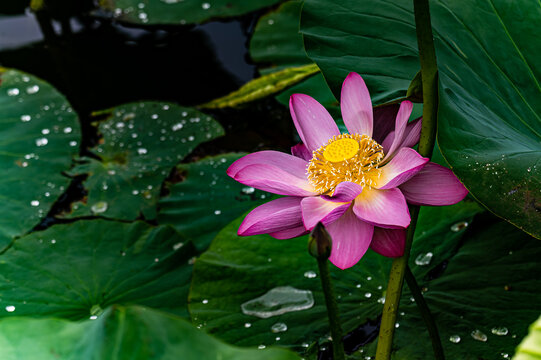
345	157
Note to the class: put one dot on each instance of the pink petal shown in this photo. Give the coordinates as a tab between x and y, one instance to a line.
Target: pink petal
383	208
384	121
288	163
351	238
312	121
275	180
301	151
345	192
272	171
400	127
434	185
356	105
411	136
289	233
315	209
273	217
389	242
402	167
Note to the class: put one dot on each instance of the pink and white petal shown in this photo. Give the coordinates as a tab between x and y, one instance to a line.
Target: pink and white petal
351	238
313	122
383	208
356	105
289	163
345	192
289	233
315	209
301	151
402	167
384	121
275	180
389	242
434	185
272	217
400	127
411	136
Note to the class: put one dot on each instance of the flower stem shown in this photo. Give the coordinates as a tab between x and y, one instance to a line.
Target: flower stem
332	309
429	71
425	314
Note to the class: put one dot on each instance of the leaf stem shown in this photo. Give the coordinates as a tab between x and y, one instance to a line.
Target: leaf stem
425	314
332	309
429	70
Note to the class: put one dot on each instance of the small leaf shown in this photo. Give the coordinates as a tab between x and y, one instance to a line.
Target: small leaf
264	86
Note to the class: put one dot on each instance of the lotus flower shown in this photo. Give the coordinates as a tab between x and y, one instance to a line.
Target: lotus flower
357	184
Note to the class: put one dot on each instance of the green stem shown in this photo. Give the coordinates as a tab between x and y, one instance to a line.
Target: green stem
332	309
425	314
429	70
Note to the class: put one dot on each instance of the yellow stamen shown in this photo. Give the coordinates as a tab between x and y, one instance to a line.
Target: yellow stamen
341	150
345	157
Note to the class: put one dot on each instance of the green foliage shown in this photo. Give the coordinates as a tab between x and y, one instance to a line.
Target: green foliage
530	347
132	332
468	270
206	199
141	143
489	128
75	270
264	86
175	12
39	135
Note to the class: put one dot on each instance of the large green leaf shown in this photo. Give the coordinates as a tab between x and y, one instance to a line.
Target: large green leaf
77	269
141	144
177	12
530	347
374	38
206	199
276	39
468	269
39	135
489	124
135	333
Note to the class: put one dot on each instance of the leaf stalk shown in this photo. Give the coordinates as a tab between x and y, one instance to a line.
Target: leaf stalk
429	71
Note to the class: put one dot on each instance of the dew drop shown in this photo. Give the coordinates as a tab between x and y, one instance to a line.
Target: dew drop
368	295
73	143
278	301
93	317
500	331
217	212
279	327
10	308
13	92
142	151
205	6
423	259
459	226
261	347
26	118
99	207
205	301
310	274
247	325
177	127
32	89
34	203
42	141
454	339
67	130
248	190
479	335
178	246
